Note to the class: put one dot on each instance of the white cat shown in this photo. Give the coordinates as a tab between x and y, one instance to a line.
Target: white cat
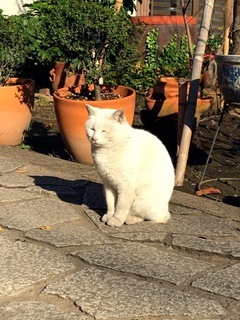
134	165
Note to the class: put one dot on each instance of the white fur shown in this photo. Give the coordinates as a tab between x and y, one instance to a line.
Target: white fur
135	168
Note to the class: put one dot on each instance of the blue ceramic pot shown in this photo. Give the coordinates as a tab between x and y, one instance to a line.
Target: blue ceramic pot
228	72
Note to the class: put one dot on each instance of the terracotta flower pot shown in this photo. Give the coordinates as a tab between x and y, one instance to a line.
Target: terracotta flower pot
162	99
61	76
16	103
72	115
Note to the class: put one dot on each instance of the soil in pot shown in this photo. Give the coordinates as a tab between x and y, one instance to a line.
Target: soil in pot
85	93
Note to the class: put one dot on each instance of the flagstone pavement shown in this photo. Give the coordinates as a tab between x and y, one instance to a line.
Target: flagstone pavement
59	261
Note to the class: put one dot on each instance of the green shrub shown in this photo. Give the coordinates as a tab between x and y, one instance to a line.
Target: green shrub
14	46
143	75
174	59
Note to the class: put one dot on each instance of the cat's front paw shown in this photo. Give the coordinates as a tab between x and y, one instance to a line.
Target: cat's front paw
105	218
114	222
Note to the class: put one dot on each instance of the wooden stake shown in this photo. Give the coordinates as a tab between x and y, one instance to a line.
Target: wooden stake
187	28
118	5
189	121
228	21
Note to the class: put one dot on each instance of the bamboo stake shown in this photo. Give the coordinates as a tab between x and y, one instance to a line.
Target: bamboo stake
189	121
228	21
182	100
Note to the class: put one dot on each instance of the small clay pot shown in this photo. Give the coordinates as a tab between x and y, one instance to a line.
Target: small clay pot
61	76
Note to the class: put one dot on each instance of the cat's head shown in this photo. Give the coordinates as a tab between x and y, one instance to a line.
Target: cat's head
103	125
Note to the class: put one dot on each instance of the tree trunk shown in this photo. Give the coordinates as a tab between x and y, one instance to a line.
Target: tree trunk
97	91
236	28
97	88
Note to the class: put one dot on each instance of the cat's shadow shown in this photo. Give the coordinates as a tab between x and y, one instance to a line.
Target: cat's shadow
79	192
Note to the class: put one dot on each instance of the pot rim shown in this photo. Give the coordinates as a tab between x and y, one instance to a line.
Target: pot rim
18	81
227	58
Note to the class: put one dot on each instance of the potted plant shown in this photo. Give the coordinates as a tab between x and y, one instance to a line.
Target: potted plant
174	65
100	41
16	94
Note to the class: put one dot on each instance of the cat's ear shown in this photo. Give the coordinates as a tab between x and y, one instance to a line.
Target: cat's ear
90	109
119	116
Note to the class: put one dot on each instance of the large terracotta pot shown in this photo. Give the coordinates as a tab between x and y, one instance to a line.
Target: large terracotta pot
228	71
61	76
72	116
162	99
16	103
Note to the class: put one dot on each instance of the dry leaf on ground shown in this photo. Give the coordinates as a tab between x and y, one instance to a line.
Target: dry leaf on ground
44	227
207	191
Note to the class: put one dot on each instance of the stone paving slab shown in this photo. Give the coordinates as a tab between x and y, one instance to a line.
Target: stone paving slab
224	248
176	209
94	197
203	225
142	236
225	282
24	264
37	163
68	234
104	295
36	310
16	180
8	166
206	205
56	190
10	195
46	184
39	212
145	260
58	186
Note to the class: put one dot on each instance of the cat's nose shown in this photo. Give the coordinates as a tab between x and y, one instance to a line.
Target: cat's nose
94	137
